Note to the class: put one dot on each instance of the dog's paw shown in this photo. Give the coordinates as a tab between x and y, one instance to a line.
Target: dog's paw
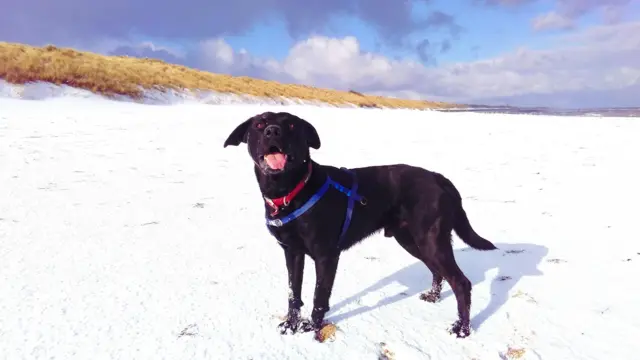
298	325
430	296
307	325
460	330
289	326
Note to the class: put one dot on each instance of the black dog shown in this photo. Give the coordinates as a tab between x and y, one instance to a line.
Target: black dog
320	211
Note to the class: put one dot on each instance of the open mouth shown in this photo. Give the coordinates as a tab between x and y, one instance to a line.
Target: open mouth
275	158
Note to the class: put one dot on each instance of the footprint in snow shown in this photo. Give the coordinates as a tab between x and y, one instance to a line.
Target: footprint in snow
556	261
508	252
190	330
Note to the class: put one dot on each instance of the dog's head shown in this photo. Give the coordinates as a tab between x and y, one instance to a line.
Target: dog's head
277	142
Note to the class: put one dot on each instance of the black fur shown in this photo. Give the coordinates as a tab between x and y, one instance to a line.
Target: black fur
417	207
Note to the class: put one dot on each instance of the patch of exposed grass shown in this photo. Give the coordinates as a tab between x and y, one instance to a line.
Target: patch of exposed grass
513	353
385	352
123	75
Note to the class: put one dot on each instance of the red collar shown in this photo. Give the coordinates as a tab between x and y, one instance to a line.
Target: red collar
277	203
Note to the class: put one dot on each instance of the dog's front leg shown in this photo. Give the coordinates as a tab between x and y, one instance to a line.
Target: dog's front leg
295	269
326	268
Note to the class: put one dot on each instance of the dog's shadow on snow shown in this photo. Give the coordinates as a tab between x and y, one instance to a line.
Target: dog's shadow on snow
513	261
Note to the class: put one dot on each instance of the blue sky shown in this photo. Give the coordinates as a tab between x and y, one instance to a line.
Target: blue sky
271	39
482	24
562	53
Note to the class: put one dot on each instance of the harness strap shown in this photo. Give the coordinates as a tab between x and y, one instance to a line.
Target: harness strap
301	210
352	196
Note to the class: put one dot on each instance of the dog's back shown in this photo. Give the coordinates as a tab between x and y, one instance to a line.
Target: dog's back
401	196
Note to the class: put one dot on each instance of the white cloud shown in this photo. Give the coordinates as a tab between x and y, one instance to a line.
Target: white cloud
217	50
326	62
341	63
603	60
612	14
552	21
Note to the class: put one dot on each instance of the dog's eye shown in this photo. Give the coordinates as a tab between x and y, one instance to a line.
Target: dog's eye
291	126
259	125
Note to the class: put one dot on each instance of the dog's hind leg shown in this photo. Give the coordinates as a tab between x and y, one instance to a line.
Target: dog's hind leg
436	247
406	240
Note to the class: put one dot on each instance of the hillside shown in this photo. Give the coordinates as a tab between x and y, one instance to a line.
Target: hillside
122	75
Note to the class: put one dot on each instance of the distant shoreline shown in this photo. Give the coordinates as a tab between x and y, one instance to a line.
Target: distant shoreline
603	112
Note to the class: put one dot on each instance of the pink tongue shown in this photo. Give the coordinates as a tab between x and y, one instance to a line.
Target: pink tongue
276	161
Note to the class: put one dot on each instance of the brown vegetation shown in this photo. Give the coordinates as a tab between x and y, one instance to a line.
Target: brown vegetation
123	75
327	332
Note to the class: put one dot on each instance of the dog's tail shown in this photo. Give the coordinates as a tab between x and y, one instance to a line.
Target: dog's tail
461	223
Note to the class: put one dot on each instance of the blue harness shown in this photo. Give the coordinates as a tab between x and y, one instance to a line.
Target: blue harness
352	196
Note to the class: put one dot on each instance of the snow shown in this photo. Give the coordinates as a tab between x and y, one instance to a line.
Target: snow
128	232
44	91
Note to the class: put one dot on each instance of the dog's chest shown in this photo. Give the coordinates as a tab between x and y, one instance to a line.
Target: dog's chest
304	236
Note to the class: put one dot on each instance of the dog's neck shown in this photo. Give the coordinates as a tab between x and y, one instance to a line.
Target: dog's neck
281	184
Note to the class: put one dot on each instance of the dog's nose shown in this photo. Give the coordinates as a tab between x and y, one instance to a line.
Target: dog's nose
272	131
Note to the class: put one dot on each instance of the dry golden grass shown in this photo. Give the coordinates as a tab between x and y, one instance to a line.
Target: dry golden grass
122	75
513	353
385	352
327	332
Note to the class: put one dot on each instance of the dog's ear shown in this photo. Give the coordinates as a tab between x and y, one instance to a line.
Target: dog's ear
239	135
313	140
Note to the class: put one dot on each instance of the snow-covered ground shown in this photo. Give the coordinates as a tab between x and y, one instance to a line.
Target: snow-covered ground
128	232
